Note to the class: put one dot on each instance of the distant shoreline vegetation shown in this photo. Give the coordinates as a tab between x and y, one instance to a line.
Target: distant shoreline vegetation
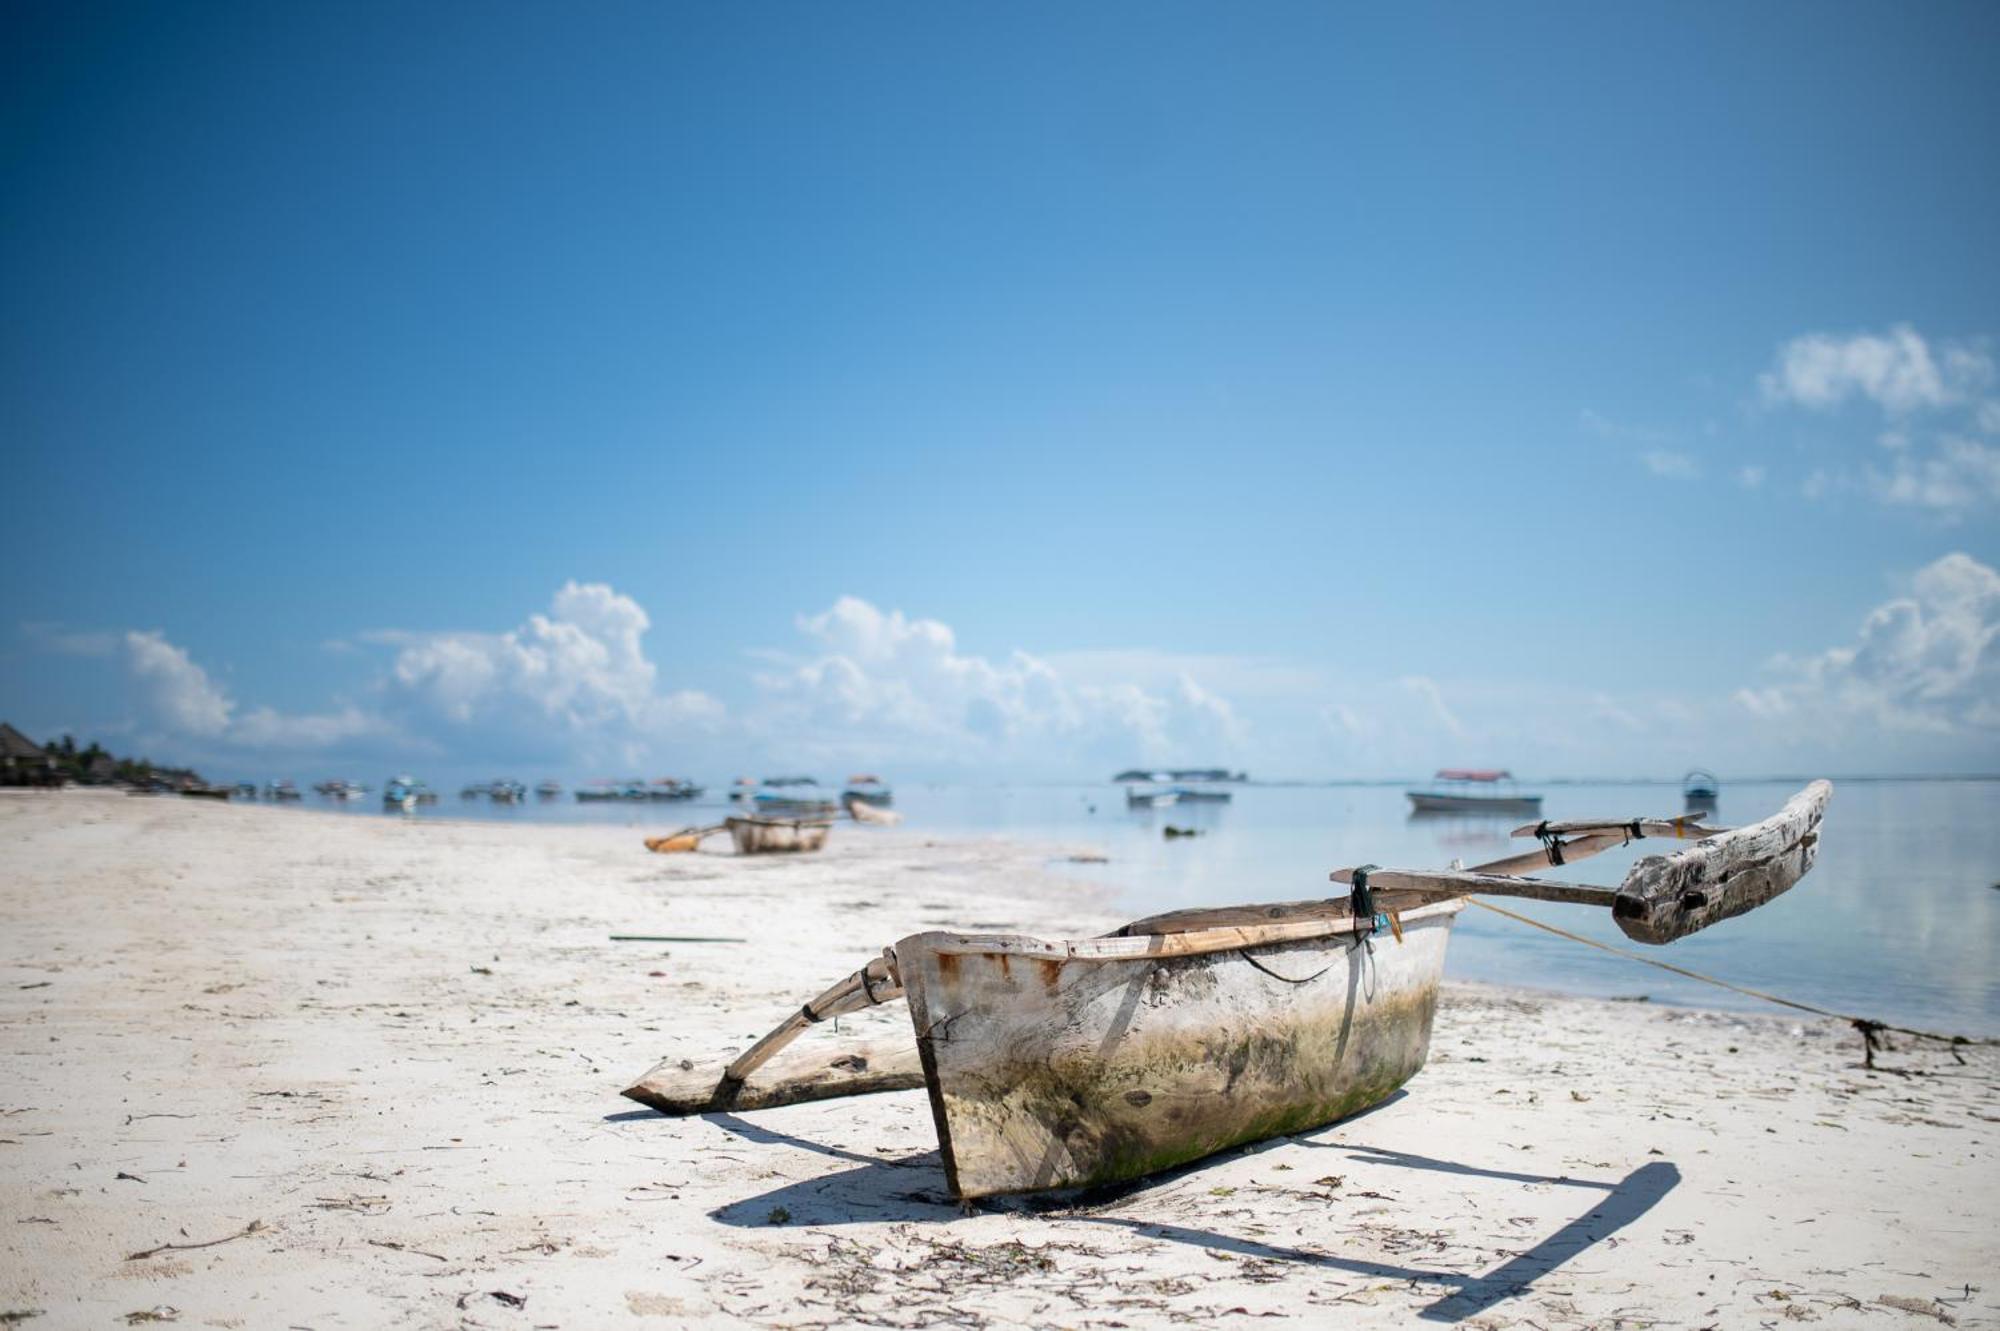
96	765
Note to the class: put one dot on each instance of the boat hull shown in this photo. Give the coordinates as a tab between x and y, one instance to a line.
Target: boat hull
1055	1065
775	836
1424	801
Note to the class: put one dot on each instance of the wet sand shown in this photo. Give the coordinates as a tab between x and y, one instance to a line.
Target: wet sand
344	1072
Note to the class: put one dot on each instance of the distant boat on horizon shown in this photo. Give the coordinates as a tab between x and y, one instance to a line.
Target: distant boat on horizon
1474	790
1186	774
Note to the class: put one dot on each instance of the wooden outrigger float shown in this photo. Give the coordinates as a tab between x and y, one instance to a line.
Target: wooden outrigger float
1063	1064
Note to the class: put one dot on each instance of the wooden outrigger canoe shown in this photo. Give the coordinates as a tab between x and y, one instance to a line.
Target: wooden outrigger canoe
1063	1064
769	836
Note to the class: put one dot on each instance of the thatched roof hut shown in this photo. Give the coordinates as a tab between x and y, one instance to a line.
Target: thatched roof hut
24	762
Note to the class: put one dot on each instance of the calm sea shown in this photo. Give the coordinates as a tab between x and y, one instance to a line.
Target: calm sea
1899	919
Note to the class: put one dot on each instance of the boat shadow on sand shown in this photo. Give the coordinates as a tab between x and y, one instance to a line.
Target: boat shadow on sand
911	1189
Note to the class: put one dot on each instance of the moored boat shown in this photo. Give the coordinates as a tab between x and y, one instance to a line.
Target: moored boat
403	792
1200	795
1146	798
1474	790
634	789
776	836
769	803
863	788
864	811
1700	790
1053	1064
549	790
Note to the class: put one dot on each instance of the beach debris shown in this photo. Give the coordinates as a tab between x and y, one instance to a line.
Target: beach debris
162	1312
1090	857
15	1316
779	1216
254	1227
1922	1307
672	938
1170	831
393	1246
128	1178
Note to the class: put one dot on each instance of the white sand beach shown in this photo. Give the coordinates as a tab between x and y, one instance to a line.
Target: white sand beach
286	1069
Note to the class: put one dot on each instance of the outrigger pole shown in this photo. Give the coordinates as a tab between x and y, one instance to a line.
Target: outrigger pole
1663	898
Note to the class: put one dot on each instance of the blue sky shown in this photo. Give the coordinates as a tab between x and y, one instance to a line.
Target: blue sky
1328	390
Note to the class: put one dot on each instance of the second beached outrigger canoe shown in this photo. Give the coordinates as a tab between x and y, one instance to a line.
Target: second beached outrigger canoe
1100	1060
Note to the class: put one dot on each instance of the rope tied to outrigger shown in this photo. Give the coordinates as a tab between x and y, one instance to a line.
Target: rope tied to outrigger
1361	905
1871	1030
1552	843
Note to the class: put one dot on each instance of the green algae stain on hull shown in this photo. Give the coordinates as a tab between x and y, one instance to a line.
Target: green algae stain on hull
1112	1070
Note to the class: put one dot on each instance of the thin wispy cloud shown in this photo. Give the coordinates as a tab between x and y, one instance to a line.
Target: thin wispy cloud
1931	402
1899	371
1670	465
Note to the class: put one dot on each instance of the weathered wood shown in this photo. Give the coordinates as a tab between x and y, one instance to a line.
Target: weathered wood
1533	861
680	1088
1047	1073
1210	917
1665	897
1120	947
1443	883
1687	828
776	836
873	984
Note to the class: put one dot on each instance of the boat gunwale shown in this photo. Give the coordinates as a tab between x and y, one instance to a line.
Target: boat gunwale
1140	947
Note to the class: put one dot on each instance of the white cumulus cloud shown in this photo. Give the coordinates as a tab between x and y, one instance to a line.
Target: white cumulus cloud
182	696
1928	661
881	683
183	702
582	667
